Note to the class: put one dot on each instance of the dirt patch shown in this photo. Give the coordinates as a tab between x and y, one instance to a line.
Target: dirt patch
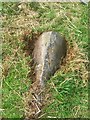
32	103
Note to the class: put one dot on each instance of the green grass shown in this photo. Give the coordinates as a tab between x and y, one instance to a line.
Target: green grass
68	87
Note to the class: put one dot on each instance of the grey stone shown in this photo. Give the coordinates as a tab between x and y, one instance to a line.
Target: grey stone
49	50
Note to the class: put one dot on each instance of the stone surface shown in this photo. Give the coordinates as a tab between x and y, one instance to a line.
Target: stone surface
49	50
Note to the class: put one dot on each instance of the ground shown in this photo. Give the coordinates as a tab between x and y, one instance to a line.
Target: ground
67	90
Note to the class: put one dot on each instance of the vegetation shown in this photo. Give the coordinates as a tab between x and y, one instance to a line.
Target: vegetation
67	90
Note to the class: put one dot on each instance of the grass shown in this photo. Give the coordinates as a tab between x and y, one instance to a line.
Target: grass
67	91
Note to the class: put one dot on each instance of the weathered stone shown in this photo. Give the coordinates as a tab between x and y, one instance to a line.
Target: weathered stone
49	50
